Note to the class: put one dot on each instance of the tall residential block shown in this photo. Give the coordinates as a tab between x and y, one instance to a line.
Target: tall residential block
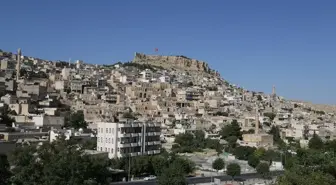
129	138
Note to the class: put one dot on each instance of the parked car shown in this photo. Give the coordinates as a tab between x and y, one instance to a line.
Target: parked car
152	177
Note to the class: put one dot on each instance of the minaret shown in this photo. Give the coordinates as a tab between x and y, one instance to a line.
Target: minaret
273	93
257	121
18	64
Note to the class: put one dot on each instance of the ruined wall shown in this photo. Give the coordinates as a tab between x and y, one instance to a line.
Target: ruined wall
176	62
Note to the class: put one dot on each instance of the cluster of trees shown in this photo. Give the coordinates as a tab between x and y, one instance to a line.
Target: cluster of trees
232	169
60	162
221	114
315	165
76	120
32	74
141	66
188	143
152	165
64	162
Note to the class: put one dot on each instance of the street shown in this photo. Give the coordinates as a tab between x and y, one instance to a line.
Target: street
198	180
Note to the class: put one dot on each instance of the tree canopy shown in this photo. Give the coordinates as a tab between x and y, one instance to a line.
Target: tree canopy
316	165
189	143
76	120
253	161
232	129
315	142
263	169
57	163
233	170
5	173
218	164
173	175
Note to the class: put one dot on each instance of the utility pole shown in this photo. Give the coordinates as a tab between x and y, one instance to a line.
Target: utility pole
129	167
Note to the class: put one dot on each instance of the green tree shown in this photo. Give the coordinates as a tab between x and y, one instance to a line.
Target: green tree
218	164
270	115
233	170
5	173
173	175
243	152
76	120
232	141
275	131
315	142
57	163
259	97
232	129
185	164
5	119
158	163
263	169
90	144
253	161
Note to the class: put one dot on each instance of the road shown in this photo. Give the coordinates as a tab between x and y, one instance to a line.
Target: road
198	180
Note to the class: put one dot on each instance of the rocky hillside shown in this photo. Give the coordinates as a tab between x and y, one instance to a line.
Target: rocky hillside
172	62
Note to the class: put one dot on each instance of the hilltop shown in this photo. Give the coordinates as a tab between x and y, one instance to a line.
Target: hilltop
173	62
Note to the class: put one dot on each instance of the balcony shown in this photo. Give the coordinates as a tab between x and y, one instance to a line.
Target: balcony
135	134
150	124
150	133
135	144
150	152
124	125
134	154
124	134
150	143
135	125
157	151
157	142
157	133
124	145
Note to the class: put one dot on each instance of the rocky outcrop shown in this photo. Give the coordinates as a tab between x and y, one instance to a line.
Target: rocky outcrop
176	62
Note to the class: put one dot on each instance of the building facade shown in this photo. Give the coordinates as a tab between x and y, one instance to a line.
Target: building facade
129	138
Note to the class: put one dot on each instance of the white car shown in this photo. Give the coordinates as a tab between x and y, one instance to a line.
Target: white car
152	177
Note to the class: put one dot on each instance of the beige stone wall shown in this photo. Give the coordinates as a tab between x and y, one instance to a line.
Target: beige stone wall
179	62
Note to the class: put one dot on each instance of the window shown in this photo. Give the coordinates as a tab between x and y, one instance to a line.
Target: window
118	149
98	130
106	130
110	130
112	150
112	140
101	148
113	130
109	140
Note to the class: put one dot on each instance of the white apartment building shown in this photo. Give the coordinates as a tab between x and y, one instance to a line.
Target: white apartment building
128	138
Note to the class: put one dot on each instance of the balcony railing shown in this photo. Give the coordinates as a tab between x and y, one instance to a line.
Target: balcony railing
124	134
150	143
123	145
150	133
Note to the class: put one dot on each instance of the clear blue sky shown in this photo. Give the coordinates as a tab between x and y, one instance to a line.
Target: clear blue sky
288	43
